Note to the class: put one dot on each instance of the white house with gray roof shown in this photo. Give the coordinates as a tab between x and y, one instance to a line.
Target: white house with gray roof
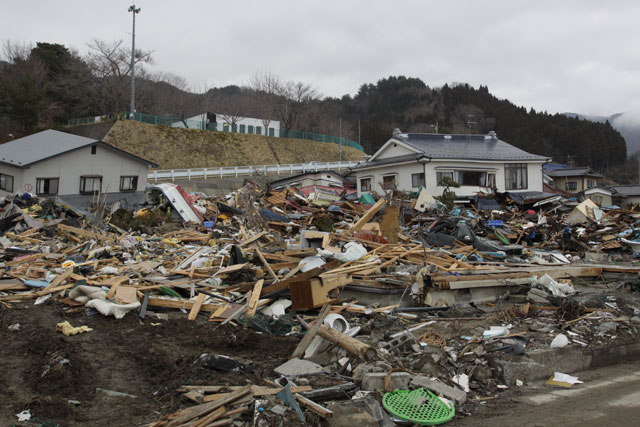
74	168
477	162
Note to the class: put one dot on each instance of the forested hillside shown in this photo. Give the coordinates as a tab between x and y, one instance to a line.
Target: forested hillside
47	84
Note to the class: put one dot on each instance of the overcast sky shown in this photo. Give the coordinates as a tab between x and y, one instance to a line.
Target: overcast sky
580	56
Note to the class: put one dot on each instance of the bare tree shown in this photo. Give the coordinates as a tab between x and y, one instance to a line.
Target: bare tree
173	96
293	98
266	87
110	63
205	99
232	105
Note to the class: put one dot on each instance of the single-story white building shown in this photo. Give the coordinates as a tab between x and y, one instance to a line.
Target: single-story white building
477	162
223	123
72	167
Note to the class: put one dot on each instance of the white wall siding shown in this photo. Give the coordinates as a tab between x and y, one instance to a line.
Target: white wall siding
69	167
16	173
395	149
404	172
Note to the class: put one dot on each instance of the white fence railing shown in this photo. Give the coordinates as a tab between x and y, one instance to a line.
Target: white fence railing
236	171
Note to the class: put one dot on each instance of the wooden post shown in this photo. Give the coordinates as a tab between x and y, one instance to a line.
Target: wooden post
370	213
352	345
311	333
266	264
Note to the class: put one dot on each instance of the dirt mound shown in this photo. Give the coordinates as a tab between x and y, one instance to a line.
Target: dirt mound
60	379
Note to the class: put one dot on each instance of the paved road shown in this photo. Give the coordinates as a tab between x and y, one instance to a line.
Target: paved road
609	397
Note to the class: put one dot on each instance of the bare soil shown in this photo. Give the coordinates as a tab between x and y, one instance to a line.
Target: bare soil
58	377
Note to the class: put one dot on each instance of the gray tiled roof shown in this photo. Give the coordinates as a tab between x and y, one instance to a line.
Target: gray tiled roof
584	171
473	147
43	145
627	190
40	146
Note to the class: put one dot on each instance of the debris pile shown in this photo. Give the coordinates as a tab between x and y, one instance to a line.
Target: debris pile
397	303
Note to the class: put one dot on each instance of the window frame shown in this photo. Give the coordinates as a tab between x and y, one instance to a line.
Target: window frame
523	168
94	149
83	180
362	187
134	183
386	186
3	186
419	176
442	174
571	185
38	180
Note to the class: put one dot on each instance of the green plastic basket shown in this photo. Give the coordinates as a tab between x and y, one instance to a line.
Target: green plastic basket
419	406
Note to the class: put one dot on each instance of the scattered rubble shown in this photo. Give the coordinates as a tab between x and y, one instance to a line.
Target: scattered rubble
399	294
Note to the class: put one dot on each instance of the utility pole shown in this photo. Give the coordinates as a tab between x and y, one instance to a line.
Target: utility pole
135	11
340	140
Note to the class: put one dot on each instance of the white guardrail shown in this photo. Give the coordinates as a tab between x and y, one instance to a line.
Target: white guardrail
236	171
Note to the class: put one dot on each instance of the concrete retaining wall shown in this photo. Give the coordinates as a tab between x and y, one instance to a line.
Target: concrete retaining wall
541	364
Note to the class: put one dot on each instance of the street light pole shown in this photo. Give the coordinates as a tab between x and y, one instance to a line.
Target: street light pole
340	140
135	11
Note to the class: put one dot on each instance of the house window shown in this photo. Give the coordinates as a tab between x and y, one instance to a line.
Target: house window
225	127
572	185
590	183
491	180
47	186
250	129
94	149
128	183
470	178
389	182
90	184
441	175
515	175
365	184
243	129
258	130
272	132
417	180
6	183
234	127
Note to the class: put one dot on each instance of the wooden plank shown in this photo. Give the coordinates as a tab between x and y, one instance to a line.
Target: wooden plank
189	414
318	409
266	264
252	239
284	284
60	278
311	333
252	305
370	213
195	309
256	391
22	260
81	232
185	304
218	413
390	224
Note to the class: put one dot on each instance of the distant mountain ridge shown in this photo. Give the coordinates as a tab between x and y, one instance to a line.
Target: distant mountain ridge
625	123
